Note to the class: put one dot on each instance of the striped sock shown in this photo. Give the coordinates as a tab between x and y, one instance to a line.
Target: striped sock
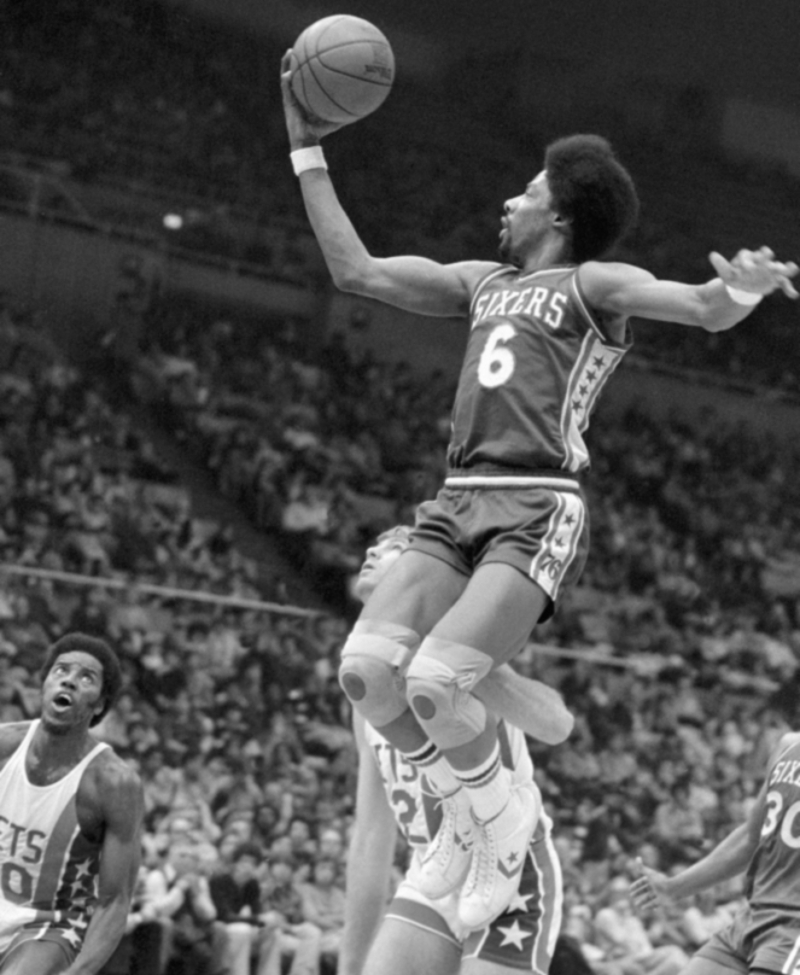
488	786
432	763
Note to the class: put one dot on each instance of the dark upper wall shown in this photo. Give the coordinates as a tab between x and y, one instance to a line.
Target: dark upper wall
735	48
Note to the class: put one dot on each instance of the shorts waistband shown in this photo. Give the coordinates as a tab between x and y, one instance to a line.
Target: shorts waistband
511	481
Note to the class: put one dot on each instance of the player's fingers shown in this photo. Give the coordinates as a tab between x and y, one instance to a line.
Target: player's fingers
721	265
788	288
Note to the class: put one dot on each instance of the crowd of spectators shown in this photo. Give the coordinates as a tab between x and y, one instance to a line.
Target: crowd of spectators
678	652
140	96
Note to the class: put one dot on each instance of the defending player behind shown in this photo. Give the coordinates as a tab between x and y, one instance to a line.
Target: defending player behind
417	933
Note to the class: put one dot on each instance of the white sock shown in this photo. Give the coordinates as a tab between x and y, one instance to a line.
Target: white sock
488	786
432	763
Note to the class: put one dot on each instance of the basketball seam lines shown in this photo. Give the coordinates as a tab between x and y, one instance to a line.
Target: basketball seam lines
346	74
322	88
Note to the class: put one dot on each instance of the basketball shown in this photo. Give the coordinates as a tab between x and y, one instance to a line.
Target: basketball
342	68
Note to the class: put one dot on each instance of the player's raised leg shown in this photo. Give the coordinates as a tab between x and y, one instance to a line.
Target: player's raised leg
486	627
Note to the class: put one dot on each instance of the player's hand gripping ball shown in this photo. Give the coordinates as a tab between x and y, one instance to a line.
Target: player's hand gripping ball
342	68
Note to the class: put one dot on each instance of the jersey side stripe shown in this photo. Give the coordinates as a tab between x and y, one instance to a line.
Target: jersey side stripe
614	359
56	856
574	447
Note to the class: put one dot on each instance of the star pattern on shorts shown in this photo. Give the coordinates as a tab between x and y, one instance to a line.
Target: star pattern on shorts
513	935
519	903
72	936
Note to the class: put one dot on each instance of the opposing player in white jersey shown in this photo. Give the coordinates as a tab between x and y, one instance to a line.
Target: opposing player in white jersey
416	933
764	936
70	822
508	532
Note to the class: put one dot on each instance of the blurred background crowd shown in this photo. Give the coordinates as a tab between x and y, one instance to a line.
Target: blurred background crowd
204	501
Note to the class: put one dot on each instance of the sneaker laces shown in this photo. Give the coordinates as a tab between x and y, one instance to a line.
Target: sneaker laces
484	860
441	847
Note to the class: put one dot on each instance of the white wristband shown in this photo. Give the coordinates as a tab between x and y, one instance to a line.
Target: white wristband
743	297
311	157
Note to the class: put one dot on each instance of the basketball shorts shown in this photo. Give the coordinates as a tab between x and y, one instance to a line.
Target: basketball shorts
542	531
745	946
524	937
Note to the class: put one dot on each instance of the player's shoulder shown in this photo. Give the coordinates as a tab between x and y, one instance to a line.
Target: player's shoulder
787	741
474	273
109	779
11	737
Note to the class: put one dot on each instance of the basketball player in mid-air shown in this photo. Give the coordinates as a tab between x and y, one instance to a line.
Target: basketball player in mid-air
764	936
415	933
70	822
509	530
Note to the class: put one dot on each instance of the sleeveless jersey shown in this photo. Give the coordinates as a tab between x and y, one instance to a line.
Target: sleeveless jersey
415	801
774	870
536	361
48	868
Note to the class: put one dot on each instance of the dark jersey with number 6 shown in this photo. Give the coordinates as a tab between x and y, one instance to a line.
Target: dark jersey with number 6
537	359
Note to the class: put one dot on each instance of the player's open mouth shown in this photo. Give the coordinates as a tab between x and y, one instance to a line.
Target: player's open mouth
62	701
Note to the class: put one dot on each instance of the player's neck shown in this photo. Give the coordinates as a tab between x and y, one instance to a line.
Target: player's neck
549	253
51	748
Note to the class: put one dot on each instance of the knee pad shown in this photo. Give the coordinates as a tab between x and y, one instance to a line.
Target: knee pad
438	684
373	658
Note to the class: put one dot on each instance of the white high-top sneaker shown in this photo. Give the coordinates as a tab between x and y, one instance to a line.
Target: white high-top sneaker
501	845
447	860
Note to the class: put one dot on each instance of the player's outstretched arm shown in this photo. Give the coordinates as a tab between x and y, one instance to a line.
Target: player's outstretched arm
727	860
369	860
414	284
719	304
118	792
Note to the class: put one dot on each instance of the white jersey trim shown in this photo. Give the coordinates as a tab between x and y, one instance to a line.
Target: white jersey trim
511	481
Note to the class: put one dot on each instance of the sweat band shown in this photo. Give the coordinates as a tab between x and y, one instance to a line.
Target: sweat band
310	157
743	297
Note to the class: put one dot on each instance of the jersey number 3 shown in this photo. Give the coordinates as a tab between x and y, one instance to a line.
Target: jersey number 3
788	833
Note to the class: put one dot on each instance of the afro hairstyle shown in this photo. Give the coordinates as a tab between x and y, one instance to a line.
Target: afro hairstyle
591	189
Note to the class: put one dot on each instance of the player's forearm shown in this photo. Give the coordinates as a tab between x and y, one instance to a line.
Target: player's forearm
345	254
363	917
528	704
104	933
724	862
367	885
